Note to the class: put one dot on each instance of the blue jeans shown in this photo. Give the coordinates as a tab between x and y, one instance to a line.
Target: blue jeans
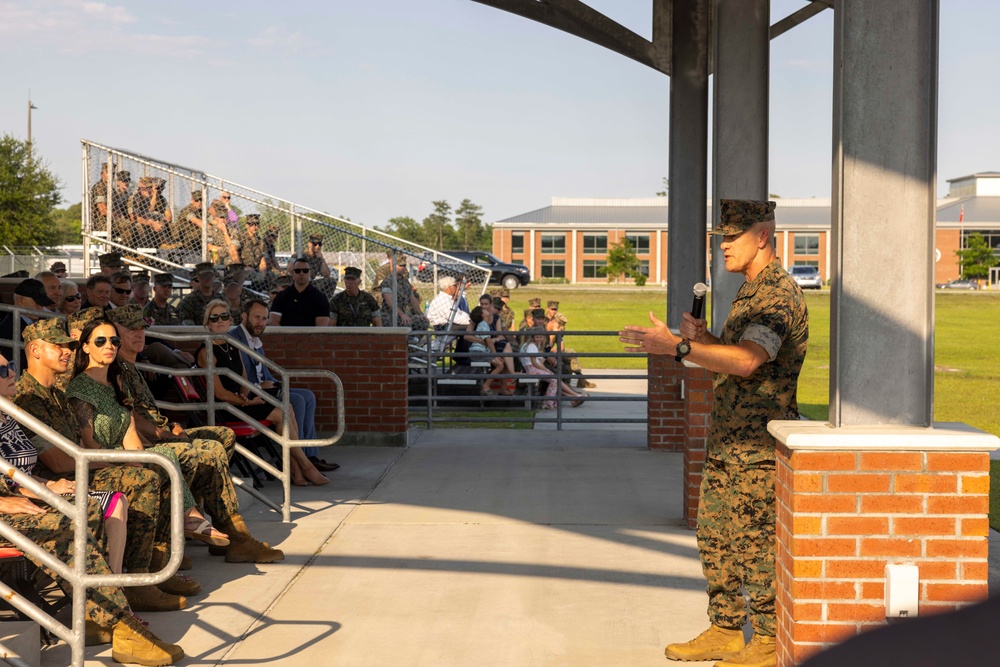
303	402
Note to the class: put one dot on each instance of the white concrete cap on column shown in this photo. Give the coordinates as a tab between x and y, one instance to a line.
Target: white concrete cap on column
942	437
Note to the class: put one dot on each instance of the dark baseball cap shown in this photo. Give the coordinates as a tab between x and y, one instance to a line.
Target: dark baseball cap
35	290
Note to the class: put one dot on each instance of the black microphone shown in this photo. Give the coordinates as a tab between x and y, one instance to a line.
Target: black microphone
698	307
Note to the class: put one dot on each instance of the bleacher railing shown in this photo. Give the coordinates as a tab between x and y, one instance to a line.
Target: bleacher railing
77	575
148	217
431	363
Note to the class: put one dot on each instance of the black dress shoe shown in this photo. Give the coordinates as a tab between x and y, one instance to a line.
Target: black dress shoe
323	466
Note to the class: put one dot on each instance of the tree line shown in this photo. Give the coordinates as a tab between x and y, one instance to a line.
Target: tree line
444	229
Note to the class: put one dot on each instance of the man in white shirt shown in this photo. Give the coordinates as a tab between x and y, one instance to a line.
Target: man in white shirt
439	311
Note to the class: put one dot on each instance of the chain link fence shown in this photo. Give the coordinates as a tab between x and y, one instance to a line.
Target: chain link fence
168	218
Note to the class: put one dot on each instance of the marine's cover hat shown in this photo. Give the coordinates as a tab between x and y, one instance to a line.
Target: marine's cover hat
739	215
50	329
129	316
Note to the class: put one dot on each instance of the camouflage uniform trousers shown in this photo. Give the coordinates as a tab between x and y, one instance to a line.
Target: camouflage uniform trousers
206	470
736	516
146	494
53	532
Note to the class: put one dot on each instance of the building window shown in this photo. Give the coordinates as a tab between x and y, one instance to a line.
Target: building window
517	243
553	244
553	268
811	262
807	244
595	244
592	268
640	242
644	267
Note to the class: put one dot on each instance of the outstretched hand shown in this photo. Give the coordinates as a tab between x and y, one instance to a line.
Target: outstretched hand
656	339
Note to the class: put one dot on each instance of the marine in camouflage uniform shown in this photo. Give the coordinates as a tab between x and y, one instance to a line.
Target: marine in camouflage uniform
165	316
98	196
354	310
250	247
192	306
143	487
506	314
756	361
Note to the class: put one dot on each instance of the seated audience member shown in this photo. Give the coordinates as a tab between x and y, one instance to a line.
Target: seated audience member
300	305
248	246
99	399
29	293
505	312
59	268
150	215
147	489
111	262
253	322
98	292
481	347
53	287
323	278
140	288
187	230
107	607
443	312
533	305
534	364
501	342
354	307
271	264
18	450
570	364
70	298
121	289
159	310
218	321
204	452
192	307
222	209
408	311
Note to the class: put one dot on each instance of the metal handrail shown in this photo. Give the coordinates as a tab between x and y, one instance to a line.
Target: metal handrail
430	357
210	405
77	576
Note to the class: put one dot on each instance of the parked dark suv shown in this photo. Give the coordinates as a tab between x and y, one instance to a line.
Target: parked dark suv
510	276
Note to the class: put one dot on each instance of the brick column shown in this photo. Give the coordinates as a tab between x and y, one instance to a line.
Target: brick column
698	398
665	408
854	499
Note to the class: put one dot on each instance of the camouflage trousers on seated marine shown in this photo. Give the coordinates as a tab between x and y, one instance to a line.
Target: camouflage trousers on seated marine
205	468
146	494
736	517
52	531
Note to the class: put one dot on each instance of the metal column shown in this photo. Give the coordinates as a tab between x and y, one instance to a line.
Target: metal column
739	125
884	164
688	168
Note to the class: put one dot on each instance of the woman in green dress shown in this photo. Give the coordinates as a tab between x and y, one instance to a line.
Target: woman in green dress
96	395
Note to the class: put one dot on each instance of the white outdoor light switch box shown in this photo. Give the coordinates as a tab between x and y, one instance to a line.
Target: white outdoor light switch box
902	590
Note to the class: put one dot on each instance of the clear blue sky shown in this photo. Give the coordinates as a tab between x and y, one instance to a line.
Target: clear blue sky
373	108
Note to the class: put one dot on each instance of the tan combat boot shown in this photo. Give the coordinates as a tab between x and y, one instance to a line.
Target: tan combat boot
758	653
160	557
151	598
713	644
133	644
243	548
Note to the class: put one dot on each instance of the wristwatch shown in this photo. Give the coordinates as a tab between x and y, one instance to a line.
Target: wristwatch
683	349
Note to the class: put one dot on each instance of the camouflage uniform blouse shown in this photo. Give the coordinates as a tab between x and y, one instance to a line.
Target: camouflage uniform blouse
251	249
192	307
770	311
354	311
166	316
47	405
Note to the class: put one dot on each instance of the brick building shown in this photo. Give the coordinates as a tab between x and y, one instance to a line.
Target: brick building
569	239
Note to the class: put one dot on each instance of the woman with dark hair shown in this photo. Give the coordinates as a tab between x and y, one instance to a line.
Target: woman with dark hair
481	346
102	406
217	320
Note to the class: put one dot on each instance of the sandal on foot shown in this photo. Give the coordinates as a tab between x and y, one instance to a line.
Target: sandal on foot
203	533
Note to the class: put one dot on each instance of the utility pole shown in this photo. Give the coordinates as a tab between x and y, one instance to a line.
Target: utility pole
30	107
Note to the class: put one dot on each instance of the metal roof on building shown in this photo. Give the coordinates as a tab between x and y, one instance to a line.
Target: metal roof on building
789	214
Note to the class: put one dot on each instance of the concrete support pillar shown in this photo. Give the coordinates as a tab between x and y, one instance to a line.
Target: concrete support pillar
884	162
688	169
739	127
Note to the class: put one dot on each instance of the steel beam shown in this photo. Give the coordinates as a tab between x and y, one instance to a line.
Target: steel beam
884	171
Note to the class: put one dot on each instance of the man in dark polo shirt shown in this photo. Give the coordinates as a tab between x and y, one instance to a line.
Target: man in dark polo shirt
300	305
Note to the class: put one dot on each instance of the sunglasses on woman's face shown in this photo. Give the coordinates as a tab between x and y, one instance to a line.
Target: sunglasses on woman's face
225	317
101	341
8	369
74	297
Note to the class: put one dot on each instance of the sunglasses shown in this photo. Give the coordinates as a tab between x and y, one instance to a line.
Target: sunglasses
8	370
225	317
226	198
74	297
317	243
101	341
301	270
123	291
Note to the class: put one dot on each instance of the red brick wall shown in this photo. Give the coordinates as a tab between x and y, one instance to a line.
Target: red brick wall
371	364
843	515
665	409
697	411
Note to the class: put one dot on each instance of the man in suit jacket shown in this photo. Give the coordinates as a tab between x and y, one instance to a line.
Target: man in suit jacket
303	401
